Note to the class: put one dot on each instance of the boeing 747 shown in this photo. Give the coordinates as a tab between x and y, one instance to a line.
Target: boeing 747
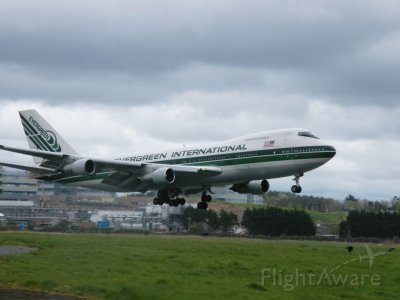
244	163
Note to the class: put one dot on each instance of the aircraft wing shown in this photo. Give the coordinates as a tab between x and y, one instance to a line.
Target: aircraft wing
122	174
114	164
130	174
138	167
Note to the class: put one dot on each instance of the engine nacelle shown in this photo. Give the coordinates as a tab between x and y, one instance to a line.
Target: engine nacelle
255	187
160	176
81	167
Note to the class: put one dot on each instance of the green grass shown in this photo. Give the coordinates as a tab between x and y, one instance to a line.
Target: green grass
328	217
325	217
179	267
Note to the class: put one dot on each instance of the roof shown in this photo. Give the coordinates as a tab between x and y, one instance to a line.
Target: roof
7	203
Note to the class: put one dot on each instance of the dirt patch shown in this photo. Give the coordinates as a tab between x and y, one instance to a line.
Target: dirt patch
7	250
21	294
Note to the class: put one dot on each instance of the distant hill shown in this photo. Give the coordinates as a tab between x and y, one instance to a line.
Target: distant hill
328	217
306	202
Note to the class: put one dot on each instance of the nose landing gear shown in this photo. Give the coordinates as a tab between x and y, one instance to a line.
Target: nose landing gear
297	188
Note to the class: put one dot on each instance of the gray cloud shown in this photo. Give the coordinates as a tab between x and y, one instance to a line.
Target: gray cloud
332	50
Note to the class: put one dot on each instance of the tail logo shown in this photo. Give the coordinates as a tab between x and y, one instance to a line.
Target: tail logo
52	141
44	140
47	135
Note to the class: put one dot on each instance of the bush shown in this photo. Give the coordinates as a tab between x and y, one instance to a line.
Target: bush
371	224
275	221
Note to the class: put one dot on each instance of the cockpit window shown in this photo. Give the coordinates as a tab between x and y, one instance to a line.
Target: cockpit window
307	134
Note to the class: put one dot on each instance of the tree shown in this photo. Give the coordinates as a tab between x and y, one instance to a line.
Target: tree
350	198
227	220
380	224
351	202
214	220
192	215
396	204
275	221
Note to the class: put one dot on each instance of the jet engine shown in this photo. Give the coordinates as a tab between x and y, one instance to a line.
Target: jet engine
160	176
81	167
255	187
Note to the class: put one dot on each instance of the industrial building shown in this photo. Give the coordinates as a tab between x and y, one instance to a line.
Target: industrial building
25	200
39	204
151	218
17	186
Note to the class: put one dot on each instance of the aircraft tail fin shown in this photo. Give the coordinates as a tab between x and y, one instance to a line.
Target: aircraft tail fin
41	135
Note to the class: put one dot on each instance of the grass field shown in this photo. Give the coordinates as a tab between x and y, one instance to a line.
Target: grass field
327	217
181	267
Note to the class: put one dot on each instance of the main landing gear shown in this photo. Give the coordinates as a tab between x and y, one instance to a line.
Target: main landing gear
170	198
203	204
297	188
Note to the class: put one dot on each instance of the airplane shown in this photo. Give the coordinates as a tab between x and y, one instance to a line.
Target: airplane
244	163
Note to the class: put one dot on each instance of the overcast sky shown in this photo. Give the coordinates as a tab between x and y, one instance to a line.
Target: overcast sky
124	76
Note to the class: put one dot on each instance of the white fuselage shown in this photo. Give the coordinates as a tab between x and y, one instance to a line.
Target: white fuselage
264	155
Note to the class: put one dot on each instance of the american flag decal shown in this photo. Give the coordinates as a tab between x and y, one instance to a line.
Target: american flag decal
269	144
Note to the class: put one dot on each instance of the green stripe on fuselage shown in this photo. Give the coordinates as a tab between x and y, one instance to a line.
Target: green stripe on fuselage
263	158
228	160
255	156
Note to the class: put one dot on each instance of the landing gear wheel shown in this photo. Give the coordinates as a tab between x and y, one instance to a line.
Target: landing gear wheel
182	201
156	201
202	205
208	198
296	189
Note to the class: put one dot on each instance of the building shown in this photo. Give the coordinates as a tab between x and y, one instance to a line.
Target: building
16	186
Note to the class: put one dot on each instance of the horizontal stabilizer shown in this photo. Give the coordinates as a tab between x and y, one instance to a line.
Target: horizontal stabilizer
38	170
36	153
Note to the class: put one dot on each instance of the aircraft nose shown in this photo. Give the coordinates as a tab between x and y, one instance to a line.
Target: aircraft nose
332	151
